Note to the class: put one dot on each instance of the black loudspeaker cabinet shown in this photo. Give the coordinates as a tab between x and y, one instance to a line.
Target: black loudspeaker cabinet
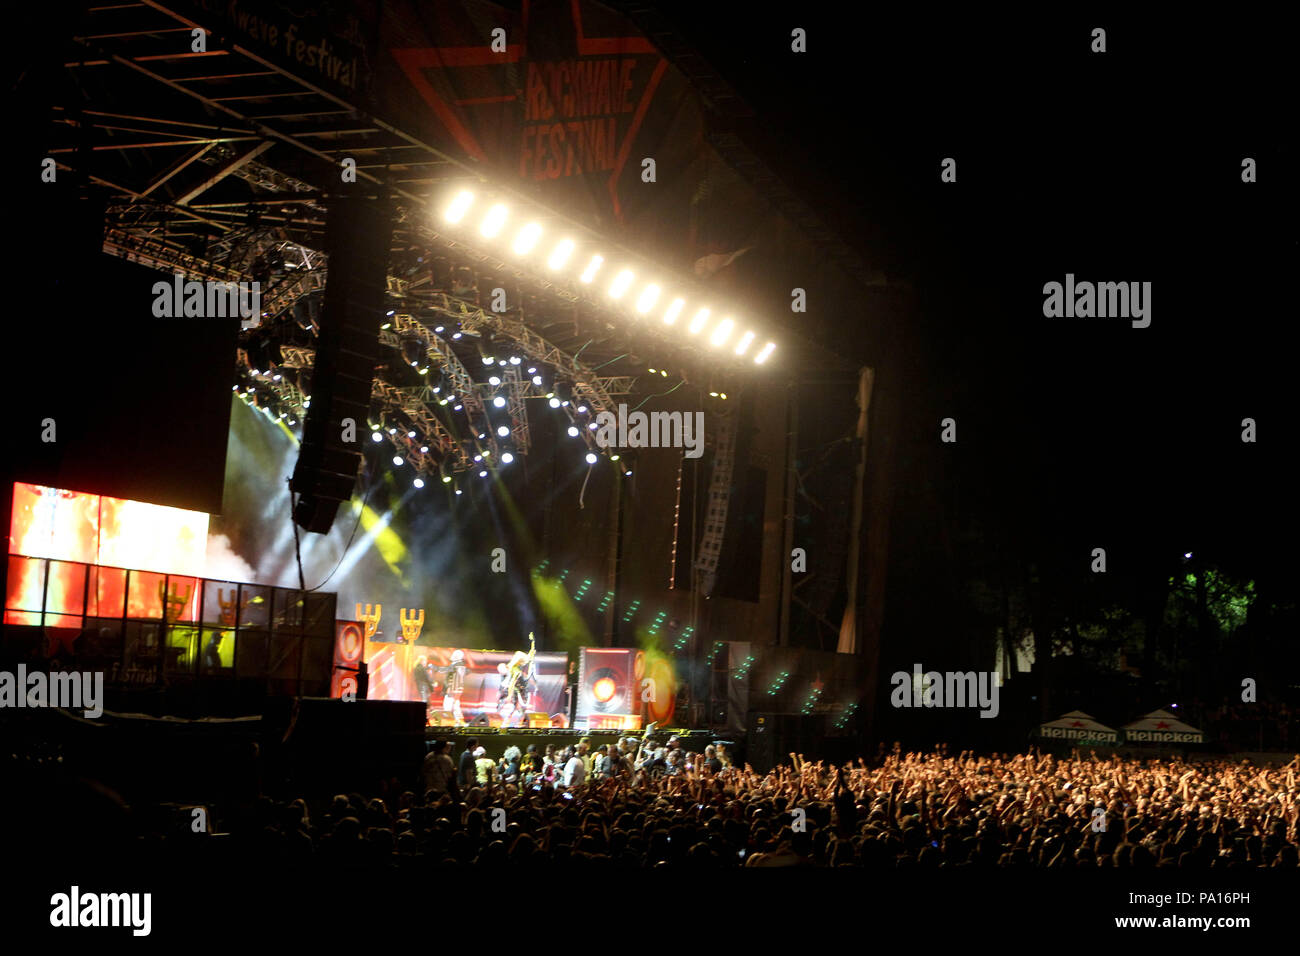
358	232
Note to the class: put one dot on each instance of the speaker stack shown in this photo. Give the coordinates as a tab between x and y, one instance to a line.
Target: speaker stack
357	236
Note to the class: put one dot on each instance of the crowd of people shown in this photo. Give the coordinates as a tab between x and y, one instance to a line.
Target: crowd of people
642	805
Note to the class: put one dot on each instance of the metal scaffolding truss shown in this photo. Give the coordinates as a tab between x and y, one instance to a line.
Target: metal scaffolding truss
595	390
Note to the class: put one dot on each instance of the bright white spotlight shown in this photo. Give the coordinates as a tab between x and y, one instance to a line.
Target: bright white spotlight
376	436
767	350
493	221
494	380
722	332
646	300
419	482
515	360
410	434
573	431
459	206
554	402
560	255
591	457
582	409
745	341
483	473
478	457
620	283
488	360
527	239
499	402
503	431
458	491
674	310
397	459
507	458
537	380
592	426
697	323
593	267
424	449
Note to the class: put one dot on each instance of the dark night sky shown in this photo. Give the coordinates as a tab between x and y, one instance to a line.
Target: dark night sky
1118	166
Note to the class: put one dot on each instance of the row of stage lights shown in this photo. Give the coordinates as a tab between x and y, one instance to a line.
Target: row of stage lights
561	258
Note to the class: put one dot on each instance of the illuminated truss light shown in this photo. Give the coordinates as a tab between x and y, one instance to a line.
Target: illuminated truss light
459	206
397	460
554	402
456	335
478	457
537	380
507	458
620	284
494	380
582	409
592	426
527	239
763	354
722	395
234	388
591	457
499	402
392	431
573	431
481	436
615	457
589	273
488	360
560	255
458	491
745	341
503	431
419	482
440	329
697	323
424	371
722	332
628	473
483	473
647	299
457	407
493	221
410	434
515	360
674	310
663	372
446	480
424	449
376	436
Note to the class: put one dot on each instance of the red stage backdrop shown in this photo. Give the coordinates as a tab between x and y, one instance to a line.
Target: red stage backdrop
392	668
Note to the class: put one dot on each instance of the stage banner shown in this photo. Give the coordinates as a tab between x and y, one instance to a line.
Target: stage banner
349	642
623	689
464	681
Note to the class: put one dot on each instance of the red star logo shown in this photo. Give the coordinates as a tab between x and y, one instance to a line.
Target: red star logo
416	62
1161	725
1077	723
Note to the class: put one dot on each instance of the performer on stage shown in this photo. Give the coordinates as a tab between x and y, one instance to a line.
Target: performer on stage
422	675
518	683
453	683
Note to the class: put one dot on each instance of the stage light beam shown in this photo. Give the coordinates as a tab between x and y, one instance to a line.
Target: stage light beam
493	221
459	206
560	255
620	284
697	323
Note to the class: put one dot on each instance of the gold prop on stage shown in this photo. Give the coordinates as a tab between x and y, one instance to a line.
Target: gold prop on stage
174	601
412	623
228	615
370	618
